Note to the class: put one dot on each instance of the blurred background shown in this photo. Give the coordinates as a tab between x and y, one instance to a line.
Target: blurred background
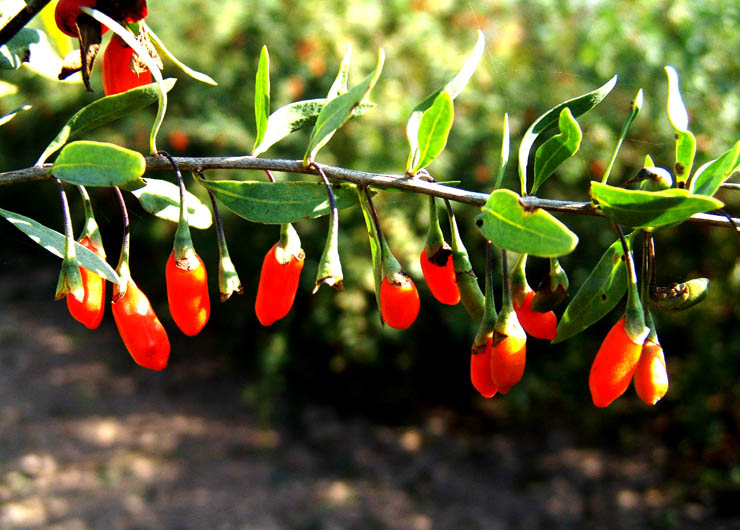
326	419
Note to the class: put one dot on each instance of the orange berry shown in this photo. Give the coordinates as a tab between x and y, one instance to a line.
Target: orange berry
613	366
441	279
650	377
508	357
90	310
480	371
399	302
141	331
117	74
187	294
277	287
539	325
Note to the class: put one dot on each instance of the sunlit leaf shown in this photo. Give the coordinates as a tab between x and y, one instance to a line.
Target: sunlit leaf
100	164
709	177
13	113
599	294
162	199
557	149
649	209
54	242
262	96
103	111
203	78
279	202
679	118
434	129
577	106
511	225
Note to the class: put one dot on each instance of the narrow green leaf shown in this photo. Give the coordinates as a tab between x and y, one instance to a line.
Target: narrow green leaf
649	209
577	106
634	111
279	202
162	198
294	116
337	111
262	96
454	86
599	294
54	242
100	164
199	76
103	111
557	149
709	177
13	113
434	129
339	86
679	118
509	224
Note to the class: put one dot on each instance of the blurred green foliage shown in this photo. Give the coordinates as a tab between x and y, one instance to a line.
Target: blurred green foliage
331	347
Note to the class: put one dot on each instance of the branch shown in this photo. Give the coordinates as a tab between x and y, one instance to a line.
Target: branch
22	18
361	178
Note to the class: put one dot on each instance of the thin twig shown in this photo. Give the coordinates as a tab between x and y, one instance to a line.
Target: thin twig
19	21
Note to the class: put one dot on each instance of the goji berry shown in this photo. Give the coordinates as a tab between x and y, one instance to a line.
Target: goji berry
439	273
614	364
650	377
141	331
66	13
277	286
399	301
508	356
187	293
540	325
90	310
480	370
118	75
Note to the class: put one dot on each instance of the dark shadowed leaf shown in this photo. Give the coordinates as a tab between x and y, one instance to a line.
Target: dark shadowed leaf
162	198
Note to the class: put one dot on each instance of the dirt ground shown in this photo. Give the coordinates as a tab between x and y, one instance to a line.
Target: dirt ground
89	441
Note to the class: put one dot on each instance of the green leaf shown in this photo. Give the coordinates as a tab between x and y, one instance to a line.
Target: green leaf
54	242
31	47
203	78
434	129
162	198
278	202
511	225
453	87
100	164
709	177
13	113
339	86
599	294
294	116
103	111
557	149
337	111
679	118
262	96
649	209
375	245
577	106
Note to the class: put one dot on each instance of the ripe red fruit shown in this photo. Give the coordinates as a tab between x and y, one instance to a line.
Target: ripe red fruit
539	325
141	331
66	14
480	371
117	73
650	377
90	310
508	357
441	279
187	294
277	286
399	301
613	366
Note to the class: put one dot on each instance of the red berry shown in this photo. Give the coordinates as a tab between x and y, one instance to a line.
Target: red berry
66	14
613	365
277	287
480	371
187	294
90	311
508	357
441	279
399	301
117	73
141	331
539	325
